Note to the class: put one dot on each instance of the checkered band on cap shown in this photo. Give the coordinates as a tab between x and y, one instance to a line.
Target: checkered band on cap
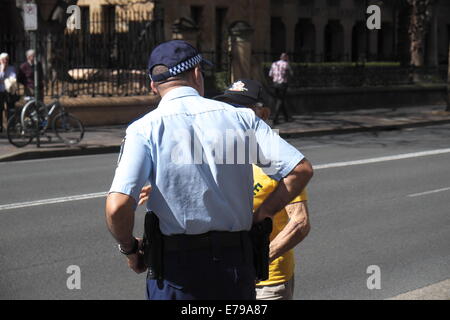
179	68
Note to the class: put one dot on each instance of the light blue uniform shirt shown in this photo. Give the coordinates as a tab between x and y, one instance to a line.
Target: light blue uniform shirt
191	151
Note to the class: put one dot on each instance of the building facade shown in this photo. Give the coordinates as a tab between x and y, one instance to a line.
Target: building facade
311	30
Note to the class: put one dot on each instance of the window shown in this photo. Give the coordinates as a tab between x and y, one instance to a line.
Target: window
109	18
221	14
85	19
196	14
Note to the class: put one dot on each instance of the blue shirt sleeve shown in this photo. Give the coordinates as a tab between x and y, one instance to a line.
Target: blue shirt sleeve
276	157
134	166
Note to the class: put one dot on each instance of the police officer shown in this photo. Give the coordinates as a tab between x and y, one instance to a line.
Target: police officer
201	189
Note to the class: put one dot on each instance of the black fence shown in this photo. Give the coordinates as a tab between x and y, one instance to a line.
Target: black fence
309	56
108	57
104	58
345	73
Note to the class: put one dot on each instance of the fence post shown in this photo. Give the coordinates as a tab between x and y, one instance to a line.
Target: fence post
36	83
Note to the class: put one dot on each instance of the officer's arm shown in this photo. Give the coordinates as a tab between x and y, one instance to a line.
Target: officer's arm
132	173
120	218
294	232
287	189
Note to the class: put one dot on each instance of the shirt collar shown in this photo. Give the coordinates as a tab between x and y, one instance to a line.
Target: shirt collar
179	93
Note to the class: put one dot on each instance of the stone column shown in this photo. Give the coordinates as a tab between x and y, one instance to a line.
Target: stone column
241	50
290	21
185	29
373	44
319	25
347	26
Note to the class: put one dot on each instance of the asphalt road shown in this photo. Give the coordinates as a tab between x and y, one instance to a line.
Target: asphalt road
388	212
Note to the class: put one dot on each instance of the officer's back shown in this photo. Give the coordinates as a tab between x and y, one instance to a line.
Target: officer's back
193	144
197	154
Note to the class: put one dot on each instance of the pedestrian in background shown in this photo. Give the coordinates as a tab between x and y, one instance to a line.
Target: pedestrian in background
280	71
204	208
7	88
291	224
25	74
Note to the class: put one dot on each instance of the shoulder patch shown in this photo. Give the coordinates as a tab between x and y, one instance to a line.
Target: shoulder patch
122	144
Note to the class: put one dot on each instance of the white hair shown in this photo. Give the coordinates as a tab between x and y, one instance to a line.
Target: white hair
4	55
30	52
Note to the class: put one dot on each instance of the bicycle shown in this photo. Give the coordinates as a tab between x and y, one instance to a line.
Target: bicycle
35	118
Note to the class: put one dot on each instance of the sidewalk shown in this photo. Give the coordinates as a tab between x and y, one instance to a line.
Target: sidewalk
99	140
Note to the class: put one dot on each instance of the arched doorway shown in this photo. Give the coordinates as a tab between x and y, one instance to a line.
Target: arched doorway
305	41
277	37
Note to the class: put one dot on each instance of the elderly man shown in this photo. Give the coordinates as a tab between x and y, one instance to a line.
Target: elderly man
26	74
201	195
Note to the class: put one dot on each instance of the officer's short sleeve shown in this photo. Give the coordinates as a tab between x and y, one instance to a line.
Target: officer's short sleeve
276	157
134	165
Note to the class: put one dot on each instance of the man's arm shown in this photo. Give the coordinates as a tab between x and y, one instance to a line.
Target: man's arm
120	221
294	232
119	214
132	172
287	189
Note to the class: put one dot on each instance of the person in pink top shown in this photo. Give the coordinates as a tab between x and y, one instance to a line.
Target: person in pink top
280	71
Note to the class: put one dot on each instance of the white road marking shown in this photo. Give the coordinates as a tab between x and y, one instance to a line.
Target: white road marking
382	159
51	201
428	192
317	167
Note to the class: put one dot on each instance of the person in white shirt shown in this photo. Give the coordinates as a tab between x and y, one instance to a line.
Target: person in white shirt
280	71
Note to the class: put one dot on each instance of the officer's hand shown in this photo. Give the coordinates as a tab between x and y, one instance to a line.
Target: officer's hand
144	195
136	261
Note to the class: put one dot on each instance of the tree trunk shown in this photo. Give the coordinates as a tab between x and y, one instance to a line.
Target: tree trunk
418	27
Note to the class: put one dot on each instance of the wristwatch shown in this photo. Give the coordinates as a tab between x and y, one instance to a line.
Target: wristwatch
132	251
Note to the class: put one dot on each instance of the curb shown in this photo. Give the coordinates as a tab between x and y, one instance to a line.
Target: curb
293	133
356	129
63	152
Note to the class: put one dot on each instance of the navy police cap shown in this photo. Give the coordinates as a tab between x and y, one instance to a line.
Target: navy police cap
177	55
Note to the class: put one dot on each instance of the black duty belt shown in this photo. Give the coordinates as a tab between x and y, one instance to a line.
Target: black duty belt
205	240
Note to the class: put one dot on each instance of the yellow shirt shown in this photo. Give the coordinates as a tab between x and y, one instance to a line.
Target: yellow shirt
282	268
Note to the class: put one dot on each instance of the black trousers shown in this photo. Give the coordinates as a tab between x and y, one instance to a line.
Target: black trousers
216	272
280	105
5	101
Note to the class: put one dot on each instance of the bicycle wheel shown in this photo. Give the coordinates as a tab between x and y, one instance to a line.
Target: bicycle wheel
17	135
31	114
68	128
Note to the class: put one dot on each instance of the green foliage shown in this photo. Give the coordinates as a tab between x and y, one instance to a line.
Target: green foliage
221	81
